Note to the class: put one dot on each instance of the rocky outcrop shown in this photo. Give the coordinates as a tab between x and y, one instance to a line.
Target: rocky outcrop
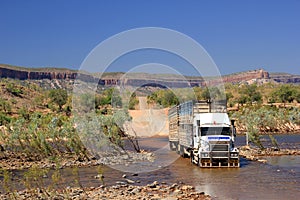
245	76
181	82
140	80
285	78
24	74
35	75
51	75
11	73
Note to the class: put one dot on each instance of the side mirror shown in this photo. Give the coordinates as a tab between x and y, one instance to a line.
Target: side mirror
234	131
232	122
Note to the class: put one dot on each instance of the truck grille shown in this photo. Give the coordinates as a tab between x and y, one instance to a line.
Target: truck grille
219	150
219	147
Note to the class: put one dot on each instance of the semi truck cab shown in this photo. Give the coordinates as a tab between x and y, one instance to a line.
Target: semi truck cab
214	136
203	131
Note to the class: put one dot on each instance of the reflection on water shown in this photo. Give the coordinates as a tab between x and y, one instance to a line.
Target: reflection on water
291	163
284	141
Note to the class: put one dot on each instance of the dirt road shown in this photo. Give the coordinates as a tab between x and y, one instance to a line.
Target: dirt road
148	122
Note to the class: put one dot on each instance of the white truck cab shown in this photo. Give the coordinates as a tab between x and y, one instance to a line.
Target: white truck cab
204	134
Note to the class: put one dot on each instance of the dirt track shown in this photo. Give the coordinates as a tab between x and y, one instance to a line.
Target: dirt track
147	122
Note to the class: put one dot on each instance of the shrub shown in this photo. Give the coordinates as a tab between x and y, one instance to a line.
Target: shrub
14	89
59	97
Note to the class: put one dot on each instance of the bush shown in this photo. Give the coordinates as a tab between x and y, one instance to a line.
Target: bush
59	97
133	101
14	89
265	119
165	98
249	94
4	119
286	93
5	106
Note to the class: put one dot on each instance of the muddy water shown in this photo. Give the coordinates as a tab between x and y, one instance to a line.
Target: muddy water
278	179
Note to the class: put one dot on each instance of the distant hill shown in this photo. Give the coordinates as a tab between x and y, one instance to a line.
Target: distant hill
143	79
285	78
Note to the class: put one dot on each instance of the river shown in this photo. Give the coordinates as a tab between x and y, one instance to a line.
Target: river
279	178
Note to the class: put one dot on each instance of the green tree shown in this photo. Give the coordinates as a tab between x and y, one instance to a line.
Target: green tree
229	96
250	94
4	119
165	98
109	97
133	101
198	92
242	100
212	93
169	99
286	93
59	97
14	89
5	106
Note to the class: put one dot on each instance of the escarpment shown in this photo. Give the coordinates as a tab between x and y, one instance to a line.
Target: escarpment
111	79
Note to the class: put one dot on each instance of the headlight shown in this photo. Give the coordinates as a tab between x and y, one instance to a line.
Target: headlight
204	145
204	155
234	154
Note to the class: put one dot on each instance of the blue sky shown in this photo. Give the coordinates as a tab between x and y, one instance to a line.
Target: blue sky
238	35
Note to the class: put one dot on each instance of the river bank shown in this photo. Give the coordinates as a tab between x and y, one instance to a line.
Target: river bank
285	130
258	119
121	191
256	154
17	160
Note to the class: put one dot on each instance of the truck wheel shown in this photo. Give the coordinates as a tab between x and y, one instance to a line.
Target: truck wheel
184	152
192	157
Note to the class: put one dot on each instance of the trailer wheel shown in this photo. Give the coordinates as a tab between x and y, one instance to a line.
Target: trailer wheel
172	146
178	149
182	149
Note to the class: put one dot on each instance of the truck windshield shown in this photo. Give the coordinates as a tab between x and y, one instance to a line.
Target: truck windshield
215	131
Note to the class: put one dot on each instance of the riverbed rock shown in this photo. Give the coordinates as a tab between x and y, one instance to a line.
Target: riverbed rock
113	192
135	190
262	160
99	176
153	185
130	181
187	187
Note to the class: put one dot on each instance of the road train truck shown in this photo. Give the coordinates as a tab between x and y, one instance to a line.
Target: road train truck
203	131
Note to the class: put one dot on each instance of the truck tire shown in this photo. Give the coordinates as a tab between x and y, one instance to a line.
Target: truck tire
193	160
178	149
172	146
181	151
192	157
